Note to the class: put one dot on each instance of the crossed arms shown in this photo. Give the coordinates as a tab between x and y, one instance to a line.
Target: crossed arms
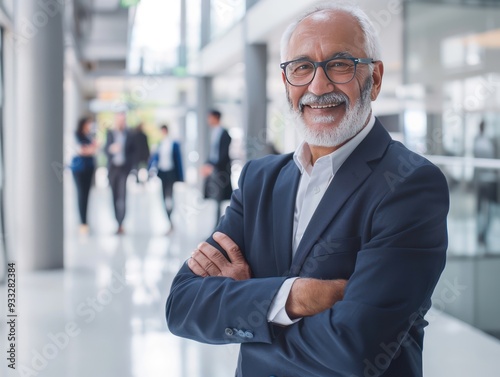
307	296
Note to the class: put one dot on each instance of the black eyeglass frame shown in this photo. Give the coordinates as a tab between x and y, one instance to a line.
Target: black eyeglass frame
323	64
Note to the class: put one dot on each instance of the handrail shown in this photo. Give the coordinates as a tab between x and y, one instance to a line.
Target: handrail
492	163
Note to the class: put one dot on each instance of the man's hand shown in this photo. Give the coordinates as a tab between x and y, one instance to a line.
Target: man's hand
312	296
115	148
206	260
206	170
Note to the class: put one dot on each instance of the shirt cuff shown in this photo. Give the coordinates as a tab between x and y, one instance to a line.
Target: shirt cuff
277	312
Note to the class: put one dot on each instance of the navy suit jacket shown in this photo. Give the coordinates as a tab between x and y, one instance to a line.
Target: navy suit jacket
381	224
176	158
218	184
129	149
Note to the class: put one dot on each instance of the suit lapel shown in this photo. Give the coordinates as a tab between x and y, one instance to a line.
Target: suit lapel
284	194
345	182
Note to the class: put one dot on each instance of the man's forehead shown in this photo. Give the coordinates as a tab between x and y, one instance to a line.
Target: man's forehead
321	15
331	27
332	16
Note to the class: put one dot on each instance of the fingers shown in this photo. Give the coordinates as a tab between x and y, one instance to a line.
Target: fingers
213	254
207	260
196	268
231	248
210	260
209	266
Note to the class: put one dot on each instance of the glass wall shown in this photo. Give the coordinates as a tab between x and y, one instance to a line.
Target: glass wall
451	60
156	38
452	115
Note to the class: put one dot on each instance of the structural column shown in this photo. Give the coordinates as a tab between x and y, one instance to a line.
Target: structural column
204	87
255	121
183	32
204	102
35	164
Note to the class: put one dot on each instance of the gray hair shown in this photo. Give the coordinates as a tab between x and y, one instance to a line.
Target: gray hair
371	39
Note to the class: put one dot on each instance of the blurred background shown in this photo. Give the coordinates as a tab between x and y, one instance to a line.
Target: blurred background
91	302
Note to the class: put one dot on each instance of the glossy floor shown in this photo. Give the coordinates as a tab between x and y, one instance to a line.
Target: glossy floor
103	315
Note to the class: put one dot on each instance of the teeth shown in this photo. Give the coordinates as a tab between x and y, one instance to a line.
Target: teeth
325	106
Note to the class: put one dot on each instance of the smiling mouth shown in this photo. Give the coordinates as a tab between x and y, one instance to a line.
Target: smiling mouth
329	106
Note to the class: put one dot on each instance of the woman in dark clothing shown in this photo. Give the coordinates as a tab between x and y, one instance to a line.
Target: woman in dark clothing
83	167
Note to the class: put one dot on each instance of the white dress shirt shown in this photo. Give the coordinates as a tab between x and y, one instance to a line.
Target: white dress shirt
314	181
215	136
165	159
119	137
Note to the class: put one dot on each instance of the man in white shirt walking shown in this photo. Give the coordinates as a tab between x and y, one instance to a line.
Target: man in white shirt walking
169	166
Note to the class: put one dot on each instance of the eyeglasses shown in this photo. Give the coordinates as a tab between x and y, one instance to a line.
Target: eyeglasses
301	72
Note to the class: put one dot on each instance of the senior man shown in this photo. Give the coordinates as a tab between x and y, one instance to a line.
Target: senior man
326	259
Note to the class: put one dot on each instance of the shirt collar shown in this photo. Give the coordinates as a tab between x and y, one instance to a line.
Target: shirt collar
302	155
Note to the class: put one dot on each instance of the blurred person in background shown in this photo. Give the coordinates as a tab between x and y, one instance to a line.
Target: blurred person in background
120	150
326	259
83	167
217	169
167	162
141	150
486	184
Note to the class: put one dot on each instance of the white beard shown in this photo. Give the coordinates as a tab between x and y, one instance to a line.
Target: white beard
351	124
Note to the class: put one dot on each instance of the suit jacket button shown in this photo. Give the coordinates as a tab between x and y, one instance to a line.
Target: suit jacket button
248	334
229	331
241	333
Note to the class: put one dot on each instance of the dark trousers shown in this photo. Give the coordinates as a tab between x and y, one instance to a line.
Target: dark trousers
218	186
167	178
117	176
83	181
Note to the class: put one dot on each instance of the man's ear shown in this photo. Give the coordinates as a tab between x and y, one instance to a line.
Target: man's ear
283	77
377	74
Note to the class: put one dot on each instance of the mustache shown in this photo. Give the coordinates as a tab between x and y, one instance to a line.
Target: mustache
324	99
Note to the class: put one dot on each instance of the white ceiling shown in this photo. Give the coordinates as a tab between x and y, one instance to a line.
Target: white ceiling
101	31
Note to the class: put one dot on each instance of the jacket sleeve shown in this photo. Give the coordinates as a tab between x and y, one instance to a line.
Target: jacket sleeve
178	161
390	290
109	141
224	160
221	310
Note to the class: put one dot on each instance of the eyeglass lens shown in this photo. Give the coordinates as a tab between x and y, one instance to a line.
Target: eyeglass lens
338	71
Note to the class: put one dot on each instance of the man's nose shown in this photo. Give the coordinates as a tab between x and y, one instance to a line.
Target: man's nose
321	84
